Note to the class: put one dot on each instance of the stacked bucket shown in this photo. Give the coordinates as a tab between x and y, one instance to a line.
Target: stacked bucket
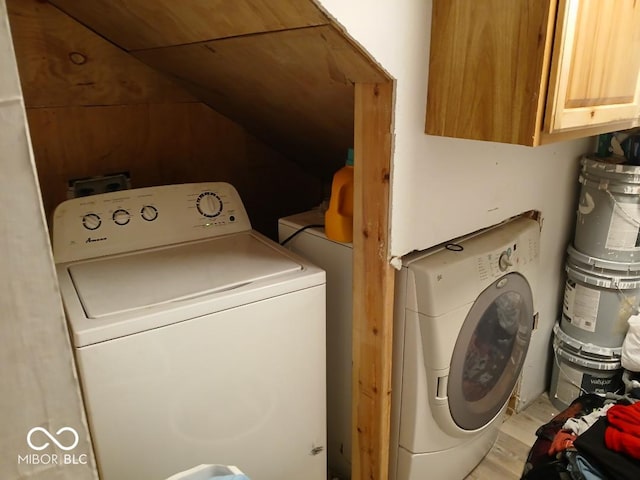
602	288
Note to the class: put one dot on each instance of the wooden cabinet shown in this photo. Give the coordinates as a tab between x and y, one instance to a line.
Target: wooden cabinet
533	71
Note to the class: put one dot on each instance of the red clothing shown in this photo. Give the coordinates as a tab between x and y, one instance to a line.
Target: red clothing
561	441
623	430
622	442
625	418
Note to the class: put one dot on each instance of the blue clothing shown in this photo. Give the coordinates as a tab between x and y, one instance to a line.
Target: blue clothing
580	468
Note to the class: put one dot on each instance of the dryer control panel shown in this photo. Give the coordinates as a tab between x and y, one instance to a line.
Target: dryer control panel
129	220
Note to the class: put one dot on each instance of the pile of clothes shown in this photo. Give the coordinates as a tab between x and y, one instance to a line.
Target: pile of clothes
595	438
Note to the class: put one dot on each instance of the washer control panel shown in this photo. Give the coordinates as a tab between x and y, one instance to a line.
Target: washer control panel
509	257
128	220
498	262
447	278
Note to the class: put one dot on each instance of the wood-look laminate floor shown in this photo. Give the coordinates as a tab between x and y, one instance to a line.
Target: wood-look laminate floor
517	435
506	459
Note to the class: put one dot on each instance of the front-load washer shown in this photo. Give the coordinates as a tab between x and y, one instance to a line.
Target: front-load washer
197	339
462	323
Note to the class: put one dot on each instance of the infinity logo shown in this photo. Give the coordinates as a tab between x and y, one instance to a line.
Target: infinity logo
52	438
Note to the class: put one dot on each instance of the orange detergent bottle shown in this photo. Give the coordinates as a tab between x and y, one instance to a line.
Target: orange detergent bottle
338	219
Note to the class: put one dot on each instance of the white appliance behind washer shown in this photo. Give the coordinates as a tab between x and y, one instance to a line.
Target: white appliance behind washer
463	318
336	259
197	339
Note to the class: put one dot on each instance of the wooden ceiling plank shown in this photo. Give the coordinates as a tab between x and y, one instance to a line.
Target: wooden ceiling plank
62	63
143	24
295	84
279	67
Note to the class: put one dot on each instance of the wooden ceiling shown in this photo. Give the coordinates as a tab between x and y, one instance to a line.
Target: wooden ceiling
281	68
143	24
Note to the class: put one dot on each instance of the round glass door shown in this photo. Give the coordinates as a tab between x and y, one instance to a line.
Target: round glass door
490	351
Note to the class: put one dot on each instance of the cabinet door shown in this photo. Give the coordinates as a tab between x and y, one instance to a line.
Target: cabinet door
488	66
596	64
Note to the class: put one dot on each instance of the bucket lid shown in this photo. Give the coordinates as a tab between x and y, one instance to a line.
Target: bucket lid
608	184
613	364
599	264
594	352
601	277
611	177
612	171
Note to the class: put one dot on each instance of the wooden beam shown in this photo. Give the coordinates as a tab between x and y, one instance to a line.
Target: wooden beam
373	283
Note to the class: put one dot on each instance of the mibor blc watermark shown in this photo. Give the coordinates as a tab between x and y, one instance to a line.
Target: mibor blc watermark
39	439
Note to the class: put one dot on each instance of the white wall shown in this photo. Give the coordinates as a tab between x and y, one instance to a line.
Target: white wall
38	386
443	188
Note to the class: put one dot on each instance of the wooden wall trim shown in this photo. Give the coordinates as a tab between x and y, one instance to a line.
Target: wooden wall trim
373	283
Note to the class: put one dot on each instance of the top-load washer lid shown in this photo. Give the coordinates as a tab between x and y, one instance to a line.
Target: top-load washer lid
129	282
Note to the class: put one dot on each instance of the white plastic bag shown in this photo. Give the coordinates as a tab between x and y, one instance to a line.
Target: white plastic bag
210	472
631	345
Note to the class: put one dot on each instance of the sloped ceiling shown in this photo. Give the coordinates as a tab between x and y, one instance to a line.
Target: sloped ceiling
281	68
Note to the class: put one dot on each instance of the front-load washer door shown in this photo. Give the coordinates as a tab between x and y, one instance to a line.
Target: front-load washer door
490	351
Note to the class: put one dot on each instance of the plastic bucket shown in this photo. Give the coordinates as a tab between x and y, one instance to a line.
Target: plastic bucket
608	219
599	298
581	368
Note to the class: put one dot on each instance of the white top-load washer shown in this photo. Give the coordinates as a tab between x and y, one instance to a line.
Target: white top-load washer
464	313
197	339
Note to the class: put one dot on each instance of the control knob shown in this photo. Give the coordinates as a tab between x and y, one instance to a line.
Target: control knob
504	261
91	221
121	216
149	213
209	204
